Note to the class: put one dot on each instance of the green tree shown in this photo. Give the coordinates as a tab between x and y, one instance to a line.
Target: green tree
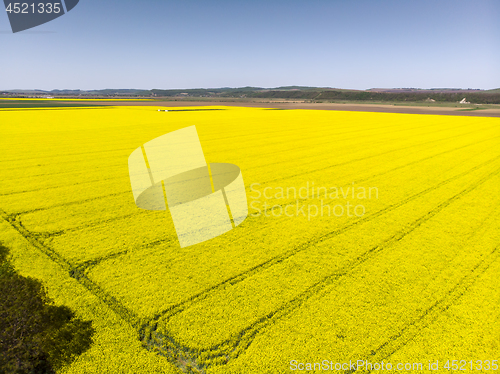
36	336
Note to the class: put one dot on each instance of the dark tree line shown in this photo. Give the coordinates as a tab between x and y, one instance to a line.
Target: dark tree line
367	96
320	94
289	92
36	336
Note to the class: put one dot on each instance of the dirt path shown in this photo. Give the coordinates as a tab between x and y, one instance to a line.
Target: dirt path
318	106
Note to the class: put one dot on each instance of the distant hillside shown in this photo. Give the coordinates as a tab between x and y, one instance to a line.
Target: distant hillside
107	92
433	90
315	94
286	92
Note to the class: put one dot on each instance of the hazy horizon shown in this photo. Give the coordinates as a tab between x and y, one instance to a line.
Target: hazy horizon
265	88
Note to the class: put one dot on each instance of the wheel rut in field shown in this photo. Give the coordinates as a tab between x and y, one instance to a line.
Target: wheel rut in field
184	356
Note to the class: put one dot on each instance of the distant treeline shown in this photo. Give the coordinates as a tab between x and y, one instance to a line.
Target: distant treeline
334	95
477	97
288	92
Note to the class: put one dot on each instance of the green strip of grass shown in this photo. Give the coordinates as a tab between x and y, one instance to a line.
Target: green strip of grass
29	104
470	109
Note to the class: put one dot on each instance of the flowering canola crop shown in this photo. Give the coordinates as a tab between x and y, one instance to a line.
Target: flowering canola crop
370	236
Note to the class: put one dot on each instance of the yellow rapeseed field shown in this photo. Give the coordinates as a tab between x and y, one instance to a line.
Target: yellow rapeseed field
371	238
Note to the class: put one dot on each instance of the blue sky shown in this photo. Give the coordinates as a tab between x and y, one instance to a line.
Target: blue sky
355	44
